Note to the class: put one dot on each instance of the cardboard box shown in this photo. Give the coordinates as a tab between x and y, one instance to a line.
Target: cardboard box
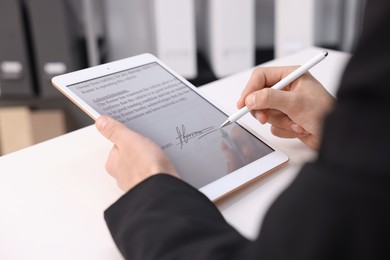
20	127
47	124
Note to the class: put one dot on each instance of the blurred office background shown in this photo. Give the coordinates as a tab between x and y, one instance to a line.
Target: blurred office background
203	40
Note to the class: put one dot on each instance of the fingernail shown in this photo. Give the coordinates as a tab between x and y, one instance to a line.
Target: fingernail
298	129
250	100
101	122
258	116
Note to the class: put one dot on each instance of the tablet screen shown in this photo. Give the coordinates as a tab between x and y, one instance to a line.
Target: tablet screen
152	101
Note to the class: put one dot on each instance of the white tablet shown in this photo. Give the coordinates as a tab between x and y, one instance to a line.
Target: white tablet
150	98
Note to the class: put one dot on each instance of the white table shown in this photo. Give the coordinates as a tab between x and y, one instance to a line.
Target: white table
52	195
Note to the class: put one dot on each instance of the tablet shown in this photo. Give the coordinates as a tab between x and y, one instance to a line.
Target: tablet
150	98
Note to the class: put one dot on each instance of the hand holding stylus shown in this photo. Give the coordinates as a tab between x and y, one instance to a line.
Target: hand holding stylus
295	112
281	84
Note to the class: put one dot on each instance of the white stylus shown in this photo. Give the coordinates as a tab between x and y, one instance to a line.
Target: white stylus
281	84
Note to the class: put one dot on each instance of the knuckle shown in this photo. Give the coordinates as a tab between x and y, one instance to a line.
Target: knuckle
108	167
263	98
110	130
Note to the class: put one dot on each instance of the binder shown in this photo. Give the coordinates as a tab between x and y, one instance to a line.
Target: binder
129	28
265	27
175	40
15	74
92	16
294	31
227	34
57	47
351	16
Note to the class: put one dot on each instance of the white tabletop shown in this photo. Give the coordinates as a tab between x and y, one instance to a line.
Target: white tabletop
53	194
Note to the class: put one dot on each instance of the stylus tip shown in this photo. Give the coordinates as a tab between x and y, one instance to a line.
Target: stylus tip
227	122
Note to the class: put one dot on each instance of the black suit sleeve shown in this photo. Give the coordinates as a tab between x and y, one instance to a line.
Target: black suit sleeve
165	218
337	208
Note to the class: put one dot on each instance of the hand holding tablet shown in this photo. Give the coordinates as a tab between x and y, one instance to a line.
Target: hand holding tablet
151	99
132	162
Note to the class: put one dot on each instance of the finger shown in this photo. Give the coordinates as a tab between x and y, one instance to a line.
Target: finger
261	116
263	77
279	119
285	133
273	117
299	129
113	130
284	101
112	161
255	82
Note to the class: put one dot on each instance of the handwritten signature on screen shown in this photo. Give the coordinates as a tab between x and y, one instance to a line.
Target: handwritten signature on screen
183	137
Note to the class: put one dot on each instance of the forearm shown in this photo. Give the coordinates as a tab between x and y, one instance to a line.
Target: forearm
165	218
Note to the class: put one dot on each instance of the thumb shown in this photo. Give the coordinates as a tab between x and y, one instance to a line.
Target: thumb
111	129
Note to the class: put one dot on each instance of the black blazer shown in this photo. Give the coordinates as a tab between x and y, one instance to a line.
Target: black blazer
337	208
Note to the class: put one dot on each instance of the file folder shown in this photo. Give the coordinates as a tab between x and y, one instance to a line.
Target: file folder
294	31
15	74
227	34
175	35
58	48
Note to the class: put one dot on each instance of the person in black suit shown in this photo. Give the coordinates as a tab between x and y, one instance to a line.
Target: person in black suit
338	207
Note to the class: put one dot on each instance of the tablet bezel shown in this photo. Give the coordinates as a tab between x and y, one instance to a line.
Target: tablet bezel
214	190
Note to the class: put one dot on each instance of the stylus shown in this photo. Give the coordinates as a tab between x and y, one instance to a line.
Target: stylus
281	84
